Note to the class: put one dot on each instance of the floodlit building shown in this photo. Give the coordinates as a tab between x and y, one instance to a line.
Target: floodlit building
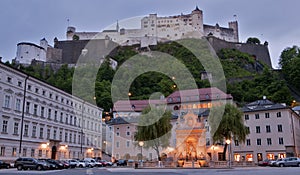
190	134
42	121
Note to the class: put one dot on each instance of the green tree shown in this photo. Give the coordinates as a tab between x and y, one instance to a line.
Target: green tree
253	40
227	124
154	128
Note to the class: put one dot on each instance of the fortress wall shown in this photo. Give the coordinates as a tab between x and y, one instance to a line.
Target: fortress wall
261	52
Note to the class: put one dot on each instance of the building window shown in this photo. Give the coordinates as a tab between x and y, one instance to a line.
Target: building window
16	128
258	141
127	144
280	140
36	90
278	114
44	92
248	129
249	157
48	133
26	126
41	133
32	153
19	83
6	101
34	131
236	143
267	115
24	152
42	111
128	133
66	119
268	128
54	134
14	152
117	144
40	153
9	79
246	117
248	142
35	108
70	138
50	95
279	127
61	117
49	114
18	104
256	116
2	151
55	115
4	126
269	141
66	137
257	129
74	138
60	135
118	134
27	107
29	87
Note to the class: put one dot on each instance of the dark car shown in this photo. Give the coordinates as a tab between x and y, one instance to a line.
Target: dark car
4	165
53	164
25	163
64	163
122	162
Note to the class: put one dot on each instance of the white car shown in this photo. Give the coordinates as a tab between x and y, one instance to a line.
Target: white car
81	164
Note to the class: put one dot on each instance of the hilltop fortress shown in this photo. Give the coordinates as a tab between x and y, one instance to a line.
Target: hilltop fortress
154	29
159	29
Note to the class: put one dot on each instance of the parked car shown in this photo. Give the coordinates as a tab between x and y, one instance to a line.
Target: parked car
4	165
64	163
264	162
290	161
82	164
73	163
272	162
54	164
31	163
92	162
105	163
122	162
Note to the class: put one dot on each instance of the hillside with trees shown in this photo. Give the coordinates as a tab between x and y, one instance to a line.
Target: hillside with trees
246	78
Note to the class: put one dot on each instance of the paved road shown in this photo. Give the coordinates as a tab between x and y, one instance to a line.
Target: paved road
131	171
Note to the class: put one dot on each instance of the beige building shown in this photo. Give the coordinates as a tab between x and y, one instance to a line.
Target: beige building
190	135
45	123
274	132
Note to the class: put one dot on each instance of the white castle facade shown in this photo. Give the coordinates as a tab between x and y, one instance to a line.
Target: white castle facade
153	29
158	29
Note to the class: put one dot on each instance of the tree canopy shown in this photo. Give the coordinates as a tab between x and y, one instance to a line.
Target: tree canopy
154	128
226	123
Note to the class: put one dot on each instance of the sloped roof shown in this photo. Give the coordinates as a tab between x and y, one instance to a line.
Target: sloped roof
203	94
262	105
134	105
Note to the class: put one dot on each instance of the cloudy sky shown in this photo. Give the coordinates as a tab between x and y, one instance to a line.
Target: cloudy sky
275	21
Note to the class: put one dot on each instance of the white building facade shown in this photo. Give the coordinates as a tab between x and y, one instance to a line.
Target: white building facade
159	29
274	133
55	124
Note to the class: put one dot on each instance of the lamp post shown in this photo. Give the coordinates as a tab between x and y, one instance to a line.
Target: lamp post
81	132
141	143
229	152
22	118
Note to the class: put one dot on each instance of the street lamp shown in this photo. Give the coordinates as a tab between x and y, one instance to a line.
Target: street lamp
229	152
81	133
141	143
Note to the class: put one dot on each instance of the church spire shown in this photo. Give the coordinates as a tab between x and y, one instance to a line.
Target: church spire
117	27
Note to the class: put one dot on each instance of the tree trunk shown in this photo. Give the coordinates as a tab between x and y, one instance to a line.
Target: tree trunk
224	152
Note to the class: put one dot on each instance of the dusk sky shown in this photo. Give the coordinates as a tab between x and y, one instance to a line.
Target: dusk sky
275	21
